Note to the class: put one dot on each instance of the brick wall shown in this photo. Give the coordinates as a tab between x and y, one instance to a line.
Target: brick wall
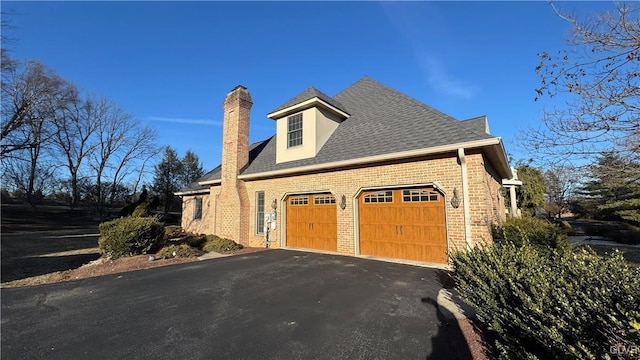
442	169
486	201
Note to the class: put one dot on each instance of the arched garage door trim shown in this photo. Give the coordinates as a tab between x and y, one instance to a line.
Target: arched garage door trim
356	208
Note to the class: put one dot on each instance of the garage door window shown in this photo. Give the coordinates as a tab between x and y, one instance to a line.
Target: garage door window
418	196
379	197
299	200
324	200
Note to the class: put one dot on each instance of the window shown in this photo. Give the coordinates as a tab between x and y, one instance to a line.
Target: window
324	199
197	212
260	212
419	196
379	197
294	130
299	200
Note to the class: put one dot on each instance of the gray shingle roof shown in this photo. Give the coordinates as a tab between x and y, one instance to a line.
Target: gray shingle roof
477	124
382	121
310	93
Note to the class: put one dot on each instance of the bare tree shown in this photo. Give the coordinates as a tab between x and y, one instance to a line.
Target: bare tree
31	96
75	126
140	144
561	181
600	76
120	142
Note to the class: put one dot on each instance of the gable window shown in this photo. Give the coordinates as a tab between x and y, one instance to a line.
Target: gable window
260	212
294	130
197	212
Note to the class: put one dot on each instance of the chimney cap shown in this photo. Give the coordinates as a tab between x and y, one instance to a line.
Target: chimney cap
239	87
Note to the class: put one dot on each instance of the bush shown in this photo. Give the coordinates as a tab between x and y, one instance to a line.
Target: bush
141	210
569	305
171	251
176	235
218	244
130	236
535	231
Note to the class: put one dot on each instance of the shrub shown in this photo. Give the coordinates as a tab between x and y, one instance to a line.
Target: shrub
141	210
182	250
535	231
218	244
557	305
129	236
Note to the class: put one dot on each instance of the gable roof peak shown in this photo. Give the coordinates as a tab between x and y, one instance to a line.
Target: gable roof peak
310	93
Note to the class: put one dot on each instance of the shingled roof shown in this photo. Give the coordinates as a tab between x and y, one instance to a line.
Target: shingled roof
382	121
311	93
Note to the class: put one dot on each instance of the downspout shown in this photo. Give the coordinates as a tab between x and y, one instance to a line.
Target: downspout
465	198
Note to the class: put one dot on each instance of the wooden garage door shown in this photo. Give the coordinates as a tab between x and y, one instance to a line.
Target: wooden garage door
404	224
311	222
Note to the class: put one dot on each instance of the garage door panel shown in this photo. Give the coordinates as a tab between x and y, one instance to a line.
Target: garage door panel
311	225
411	227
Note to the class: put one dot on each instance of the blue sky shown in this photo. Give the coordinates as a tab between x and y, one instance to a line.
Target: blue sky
170	64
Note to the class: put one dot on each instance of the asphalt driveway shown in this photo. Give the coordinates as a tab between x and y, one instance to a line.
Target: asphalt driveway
276	304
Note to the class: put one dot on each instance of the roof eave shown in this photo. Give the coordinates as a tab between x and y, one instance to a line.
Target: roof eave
210	182
315	101
498	157
191	192
376	158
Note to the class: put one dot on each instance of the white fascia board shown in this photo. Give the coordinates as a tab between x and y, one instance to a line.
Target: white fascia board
191	192
210	182
304	105
376	158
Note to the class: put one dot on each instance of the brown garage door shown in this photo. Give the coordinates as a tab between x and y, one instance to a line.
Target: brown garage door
311	222
404	224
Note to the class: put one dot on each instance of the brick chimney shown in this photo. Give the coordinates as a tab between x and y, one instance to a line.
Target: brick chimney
233	204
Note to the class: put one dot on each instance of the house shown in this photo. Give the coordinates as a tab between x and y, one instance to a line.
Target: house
367	172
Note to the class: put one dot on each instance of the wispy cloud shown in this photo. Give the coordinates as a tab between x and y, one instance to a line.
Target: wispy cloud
208	122
441	80
409	20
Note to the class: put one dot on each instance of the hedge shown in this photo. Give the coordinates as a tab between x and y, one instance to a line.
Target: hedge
550	304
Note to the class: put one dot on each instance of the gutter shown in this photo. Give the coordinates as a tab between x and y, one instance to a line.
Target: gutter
367	160
191	192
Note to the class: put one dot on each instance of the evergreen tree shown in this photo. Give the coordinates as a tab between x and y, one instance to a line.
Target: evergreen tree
167	177
191	168
531	194
613	188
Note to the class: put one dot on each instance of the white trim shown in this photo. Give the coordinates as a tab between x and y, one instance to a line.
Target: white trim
192	192
507	182
370	159
466	201
306	104
210	182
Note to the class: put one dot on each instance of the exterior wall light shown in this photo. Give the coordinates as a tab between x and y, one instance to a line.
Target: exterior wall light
343	202
274	204
455	201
